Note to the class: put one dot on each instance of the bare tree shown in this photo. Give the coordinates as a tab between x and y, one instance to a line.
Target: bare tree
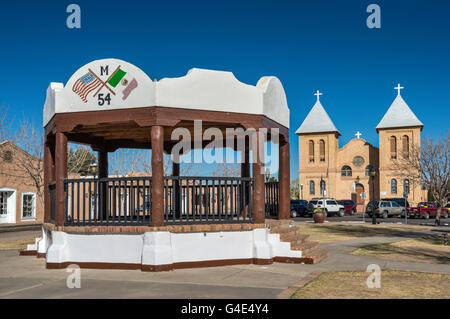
79	159
28	156
5	124
295	193
124	161
428	165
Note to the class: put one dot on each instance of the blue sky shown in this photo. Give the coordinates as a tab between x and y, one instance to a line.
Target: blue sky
308	45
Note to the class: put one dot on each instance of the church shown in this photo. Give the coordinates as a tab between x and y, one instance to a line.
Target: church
344	173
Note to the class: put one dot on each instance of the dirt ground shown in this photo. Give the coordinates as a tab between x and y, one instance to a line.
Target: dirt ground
394	285
426	250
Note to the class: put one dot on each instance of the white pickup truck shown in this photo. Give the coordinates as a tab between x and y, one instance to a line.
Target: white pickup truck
330	206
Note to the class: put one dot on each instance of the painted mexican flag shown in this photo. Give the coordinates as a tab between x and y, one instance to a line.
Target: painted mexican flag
115	79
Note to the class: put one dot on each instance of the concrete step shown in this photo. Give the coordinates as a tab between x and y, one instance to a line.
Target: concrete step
300	239
283	229
306	247
277	222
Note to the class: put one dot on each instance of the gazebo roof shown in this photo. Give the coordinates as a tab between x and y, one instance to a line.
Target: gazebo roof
112	84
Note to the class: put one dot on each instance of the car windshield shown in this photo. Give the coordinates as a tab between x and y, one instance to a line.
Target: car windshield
331	202
314	202
422	204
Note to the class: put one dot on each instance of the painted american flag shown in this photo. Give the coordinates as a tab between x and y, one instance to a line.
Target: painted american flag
85	85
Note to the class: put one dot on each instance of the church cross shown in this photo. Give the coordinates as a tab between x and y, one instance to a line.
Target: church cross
318	94
398	88
358	135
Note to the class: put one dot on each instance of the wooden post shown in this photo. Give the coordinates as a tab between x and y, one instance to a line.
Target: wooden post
176	185
245	172
61	174
103	190
157	136
49	175
284	181
258	199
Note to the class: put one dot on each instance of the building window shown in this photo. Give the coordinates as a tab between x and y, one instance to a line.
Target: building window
312	188
311	151
346	171
322	150
393	142
394	186
405	142
406	186
7	156
28	205
369	168
3	203
322	188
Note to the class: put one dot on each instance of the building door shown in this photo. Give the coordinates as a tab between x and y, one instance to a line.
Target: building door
359	190
7	206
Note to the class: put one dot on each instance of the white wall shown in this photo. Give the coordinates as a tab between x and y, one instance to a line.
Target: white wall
164	248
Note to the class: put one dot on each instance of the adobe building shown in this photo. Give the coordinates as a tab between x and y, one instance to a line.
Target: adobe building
325	169
19	197
160	222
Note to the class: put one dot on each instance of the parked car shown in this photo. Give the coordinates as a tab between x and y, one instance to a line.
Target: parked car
427	210
298	207
403	202
349	206
384	208
330	206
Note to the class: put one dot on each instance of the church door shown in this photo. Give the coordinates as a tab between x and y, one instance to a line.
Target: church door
359	189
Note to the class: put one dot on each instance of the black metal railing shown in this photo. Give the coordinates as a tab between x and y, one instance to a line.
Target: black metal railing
108	201
207	200
272	198
187	200
52	192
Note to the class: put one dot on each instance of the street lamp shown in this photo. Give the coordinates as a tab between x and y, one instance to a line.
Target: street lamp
322	188
372	174
301	187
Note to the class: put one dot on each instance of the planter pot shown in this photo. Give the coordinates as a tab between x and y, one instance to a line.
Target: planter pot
319	218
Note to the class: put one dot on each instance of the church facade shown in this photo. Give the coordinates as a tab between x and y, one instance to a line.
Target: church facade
358	171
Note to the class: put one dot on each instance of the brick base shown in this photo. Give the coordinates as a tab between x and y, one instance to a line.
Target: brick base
143	229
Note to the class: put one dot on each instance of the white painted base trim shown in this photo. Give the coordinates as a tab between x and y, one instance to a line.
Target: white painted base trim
161	248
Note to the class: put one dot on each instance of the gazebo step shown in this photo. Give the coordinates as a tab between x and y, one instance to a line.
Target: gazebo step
315	256
305	247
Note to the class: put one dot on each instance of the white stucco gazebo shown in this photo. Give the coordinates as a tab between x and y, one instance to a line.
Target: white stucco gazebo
166	222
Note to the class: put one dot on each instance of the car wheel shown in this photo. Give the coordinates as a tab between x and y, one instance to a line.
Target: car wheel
446	215
352	212
326	213
385	214
293	213
341	213
426	216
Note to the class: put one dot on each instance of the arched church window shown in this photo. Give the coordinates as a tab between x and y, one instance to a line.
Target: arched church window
312	188
346	171
406	186
394	186
369	168
322	150
322	188
405	140
393	142
311	151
